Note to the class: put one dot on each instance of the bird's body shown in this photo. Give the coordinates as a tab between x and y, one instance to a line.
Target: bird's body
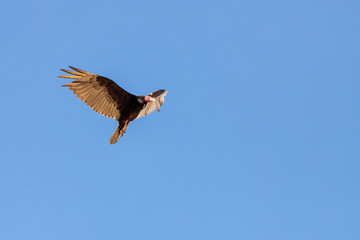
109	99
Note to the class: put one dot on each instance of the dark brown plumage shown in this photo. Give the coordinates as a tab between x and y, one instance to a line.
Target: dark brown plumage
109	99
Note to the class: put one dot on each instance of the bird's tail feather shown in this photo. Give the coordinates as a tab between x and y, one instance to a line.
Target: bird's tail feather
118	133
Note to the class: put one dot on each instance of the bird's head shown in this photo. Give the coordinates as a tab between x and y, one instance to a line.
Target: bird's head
149	99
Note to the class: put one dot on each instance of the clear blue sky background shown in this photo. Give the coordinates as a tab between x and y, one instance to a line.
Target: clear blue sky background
259	136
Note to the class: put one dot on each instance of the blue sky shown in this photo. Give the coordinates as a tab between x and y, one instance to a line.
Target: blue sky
259	136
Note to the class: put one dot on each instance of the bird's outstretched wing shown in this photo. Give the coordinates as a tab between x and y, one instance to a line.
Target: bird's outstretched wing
100	93
159	96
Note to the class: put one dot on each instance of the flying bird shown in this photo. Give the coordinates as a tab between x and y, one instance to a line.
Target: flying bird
109	99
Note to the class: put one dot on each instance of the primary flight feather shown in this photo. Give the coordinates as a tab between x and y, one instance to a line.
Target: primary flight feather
109	99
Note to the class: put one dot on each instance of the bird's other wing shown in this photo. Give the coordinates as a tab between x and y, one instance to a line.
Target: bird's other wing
100	93
159	97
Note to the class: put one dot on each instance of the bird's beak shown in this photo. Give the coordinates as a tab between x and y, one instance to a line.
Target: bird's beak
149	99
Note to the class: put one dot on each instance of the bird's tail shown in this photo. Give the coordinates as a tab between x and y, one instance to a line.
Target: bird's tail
118	133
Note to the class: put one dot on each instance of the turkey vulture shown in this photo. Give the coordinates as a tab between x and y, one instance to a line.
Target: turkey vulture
109	99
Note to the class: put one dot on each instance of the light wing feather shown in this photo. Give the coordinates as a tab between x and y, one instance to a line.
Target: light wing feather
101	94
159	96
